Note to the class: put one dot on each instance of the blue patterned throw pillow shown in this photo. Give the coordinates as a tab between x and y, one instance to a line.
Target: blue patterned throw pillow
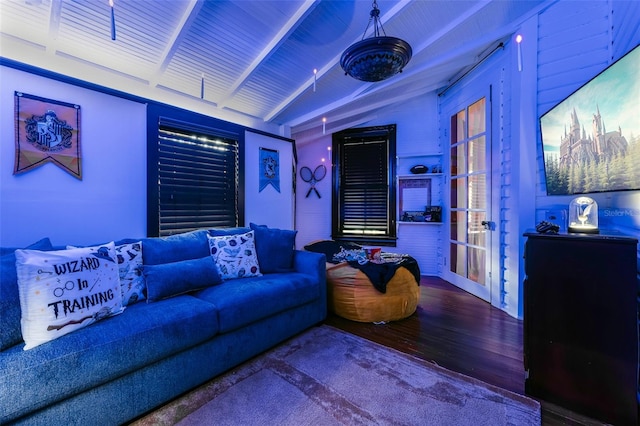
129	257
235	255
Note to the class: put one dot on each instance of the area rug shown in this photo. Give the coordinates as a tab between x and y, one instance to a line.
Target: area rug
329	377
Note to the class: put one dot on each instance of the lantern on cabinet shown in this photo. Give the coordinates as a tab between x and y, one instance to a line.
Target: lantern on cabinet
583	215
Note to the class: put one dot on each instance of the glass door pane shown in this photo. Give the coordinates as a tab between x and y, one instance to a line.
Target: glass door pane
468	193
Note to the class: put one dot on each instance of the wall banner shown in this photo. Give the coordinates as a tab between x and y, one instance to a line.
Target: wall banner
269	169
47	131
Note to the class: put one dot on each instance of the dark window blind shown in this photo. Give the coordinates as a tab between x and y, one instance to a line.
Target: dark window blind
364	189
197	180
365	208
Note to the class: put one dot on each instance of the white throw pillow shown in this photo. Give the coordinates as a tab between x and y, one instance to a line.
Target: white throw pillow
235	255
62	291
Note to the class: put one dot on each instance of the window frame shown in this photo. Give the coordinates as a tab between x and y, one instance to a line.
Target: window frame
342	142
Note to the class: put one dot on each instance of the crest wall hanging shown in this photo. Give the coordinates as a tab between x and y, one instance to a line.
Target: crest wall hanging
47	131
269	169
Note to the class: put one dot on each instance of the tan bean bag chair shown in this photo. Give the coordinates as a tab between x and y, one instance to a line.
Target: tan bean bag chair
352	296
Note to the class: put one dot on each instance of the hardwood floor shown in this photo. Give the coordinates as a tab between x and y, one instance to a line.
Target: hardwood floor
463	333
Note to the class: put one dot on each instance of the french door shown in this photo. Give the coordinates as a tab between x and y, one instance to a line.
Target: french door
467	144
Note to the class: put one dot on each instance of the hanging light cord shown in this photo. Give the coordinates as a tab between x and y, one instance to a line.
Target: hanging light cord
377	24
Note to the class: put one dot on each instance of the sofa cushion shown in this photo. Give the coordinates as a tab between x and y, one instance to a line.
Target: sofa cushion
235	255
275	248
143	334
244	301
185	246
172	279
10	333
64	290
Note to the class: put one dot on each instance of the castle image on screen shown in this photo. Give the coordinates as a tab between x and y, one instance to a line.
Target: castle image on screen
579	147
591	140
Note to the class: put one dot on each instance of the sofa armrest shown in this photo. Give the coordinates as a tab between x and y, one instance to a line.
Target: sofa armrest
314	264
310	263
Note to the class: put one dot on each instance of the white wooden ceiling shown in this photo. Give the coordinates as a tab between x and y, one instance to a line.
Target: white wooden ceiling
257	56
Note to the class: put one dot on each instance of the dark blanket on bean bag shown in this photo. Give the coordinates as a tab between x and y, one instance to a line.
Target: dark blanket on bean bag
378	273
381	273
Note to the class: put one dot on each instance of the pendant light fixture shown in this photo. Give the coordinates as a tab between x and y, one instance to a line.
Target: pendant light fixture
377	57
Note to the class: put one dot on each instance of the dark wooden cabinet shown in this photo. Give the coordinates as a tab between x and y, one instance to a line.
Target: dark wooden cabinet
581	324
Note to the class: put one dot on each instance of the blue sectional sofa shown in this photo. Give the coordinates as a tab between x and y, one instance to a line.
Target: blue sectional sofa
121	367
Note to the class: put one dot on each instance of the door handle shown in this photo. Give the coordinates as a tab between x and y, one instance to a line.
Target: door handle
488	225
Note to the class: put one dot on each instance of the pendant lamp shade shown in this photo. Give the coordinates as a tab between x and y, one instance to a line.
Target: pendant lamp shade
378	57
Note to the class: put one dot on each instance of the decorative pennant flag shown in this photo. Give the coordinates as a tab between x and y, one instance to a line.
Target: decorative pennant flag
269	169
47	131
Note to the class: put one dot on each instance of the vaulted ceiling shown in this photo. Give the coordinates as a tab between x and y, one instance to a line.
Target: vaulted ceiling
256	57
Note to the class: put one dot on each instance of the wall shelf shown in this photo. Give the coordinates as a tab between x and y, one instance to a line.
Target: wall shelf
420	176
415	155
404	222
405	162
419	195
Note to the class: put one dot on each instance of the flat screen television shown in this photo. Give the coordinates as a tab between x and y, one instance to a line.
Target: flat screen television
591	140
